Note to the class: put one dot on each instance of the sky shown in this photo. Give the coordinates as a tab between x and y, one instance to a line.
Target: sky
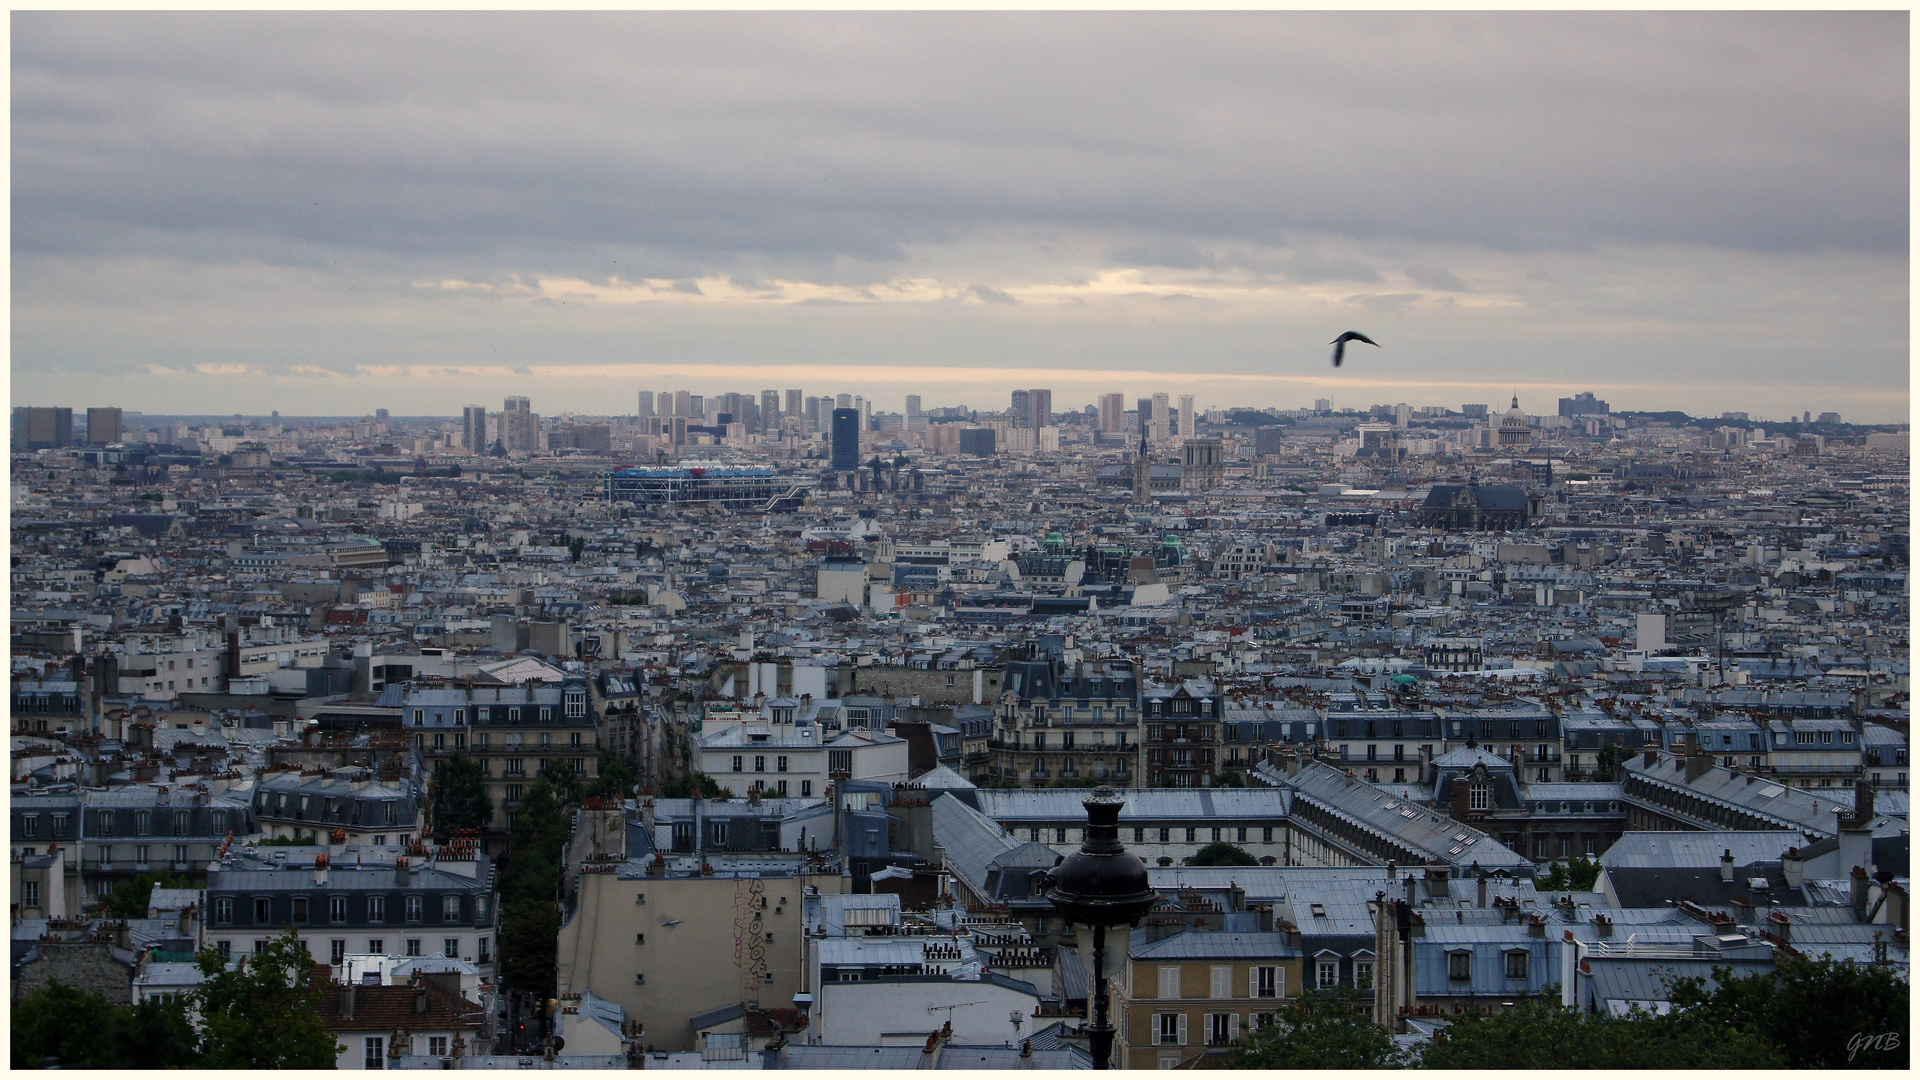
336	212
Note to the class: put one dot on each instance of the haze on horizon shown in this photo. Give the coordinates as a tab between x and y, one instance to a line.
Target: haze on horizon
328	213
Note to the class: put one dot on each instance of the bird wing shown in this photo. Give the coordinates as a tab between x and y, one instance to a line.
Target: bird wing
1339	350
1358	336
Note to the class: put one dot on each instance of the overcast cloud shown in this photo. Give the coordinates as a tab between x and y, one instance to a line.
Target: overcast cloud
328	213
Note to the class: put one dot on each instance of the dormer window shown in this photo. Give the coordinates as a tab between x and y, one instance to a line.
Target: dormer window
1480	796
575	702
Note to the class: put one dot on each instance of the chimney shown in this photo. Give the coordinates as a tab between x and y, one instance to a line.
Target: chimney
1726	865
1780	926
1794	867
1743	911
1481	875
1648	758
1697	764
419	998
1437	883
401	873
320	863
1603	925
1026	1054
1857	894
1862	804
1536	924
346	1001
1411	898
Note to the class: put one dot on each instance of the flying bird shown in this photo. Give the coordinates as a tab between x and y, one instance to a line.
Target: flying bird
1340	344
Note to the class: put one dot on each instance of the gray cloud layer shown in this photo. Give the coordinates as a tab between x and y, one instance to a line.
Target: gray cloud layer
724	139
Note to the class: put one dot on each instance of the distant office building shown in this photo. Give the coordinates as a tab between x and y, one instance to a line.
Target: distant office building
733	486
1269	440
646	404
517	430
770	411
976	442
103	426
682	403
916	416
811	415
1323	405
473	428
846	439
1474	412
1162	423
1402	415
42	427
1825	418
1143	409
1022	410
380	415
795	401
1187	426
1113	414
1583	404
1039	409
843	401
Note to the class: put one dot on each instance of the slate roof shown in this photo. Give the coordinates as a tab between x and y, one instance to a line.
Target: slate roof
1643	849
390	1008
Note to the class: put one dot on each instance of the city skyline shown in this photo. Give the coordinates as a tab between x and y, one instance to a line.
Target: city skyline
1188	203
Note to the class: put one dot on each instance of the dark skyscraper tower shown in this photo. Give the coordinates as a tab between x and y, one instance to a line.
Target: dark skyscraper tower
846	440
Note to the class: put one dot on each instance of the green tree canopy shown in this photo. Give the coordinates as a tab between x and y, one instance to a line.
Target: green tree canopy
1319	1030
1538	1033
56	1020
1577	874
1822	1014
615	779
129	901
1221	853
697	785
263	1013
1230	778
460	799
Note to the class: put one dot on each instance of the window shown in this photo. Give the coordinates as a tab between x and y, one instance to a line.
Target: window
413	946
739	763
376	1057
1220	981
1460	965
481	954
336	909
1517	963
806	789
1329	974
436	1046
140	854
780	763
376	910
337	951
1266	982
223	911
516	766
260	946
1363	974
300	909
225	947
262	910
30	825
1169	981
1166	835
574	740
1480	796
1172	1029
759	763
376	945
180	853
782	788
30	894
106	857
59	826
1139	836
1220	1028
416	905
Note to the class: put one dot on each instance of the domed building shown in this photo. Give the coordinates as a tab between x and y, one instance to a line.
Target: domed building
1516	431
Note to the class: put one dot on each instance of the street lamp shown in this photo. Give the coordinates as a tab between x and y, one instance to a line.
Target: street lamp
1101	885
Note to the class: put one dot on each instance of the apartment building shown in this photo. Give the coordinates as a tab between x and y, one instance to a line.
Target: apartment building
1189	995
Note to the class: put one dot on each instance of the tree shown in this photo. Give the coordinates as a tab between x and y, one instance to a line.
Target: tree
1221	853
57	1020
1821	1014
1608	768
1577	874
1319	1030
460	798
130	900
1230	779
565	784
540	824
575	547
615	779
263	1013
155	1035
695	785
1540	1033
528	943
1075	782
